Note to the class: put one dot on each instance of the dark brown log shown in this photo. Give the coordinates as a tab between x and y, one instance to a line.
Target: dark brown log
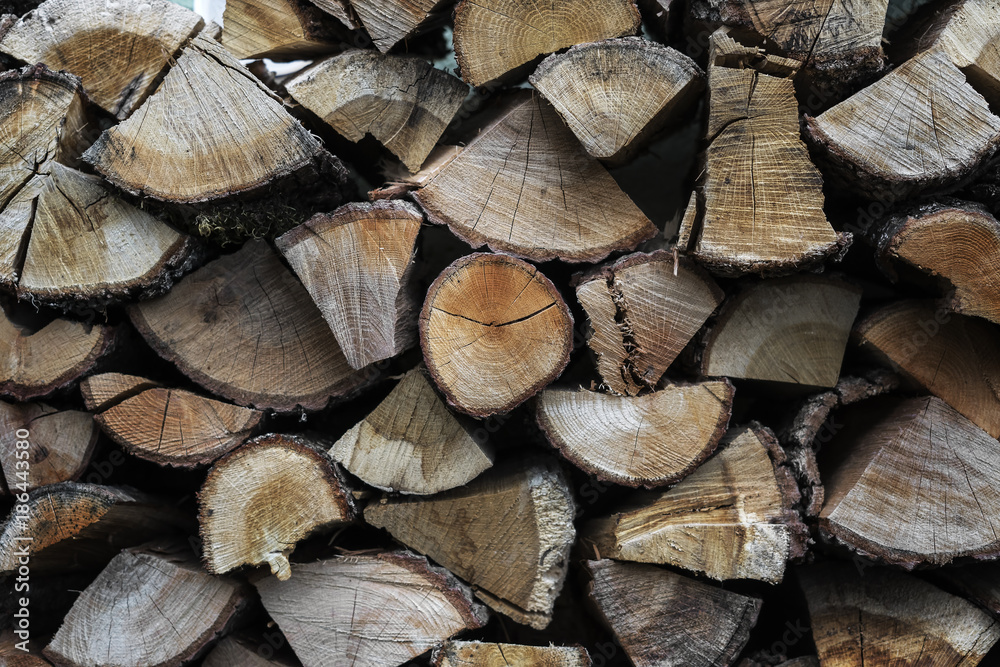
59	444
508	533
662	618
277	29
978	582
481	654
374	610
103	390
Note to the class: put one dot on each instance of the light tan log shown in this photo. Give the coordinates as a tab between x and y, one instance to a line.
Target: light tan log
650	440
662	618
883	617
151	605
731	518
412	443
400	182
243	327
792	330
118	49
356	264
402	101
508	533
278	29
340	10
525	186
482	654
617	94
60	443
495	37
643	310
374	610
103	390
389	22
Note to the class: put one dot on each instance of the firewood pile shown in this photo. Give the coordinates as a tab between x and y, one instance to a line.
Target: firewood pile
500	332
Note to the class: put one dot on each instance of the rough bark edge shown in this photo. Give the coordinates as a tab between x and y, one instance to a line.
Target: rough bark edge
721	426
728	267
424	318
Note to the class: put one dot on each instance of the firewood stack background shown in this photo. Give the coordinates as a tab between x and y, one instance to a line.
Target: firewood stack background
500	332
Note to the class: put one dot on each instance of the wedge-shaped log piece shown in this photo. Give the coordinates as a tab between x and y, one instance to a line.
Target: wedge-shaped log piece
178	428
792	329
140	611
927	238
643	310
81	244
495	37
280	29
616	94
374	610
389	22
412	443
402	101
729	519
340	10
103	390
76	526
261	499
920	128
242	652
37	363
494	332
526	186
664	619
119	49
59	444
763	198
650	440
912	481
243	327
484	654
956	358
211	118
356	264
508	533
882	617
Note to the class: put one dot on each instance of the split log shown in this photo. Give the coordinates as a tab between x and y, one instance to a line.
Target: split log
480	654
267	344
37	363
927	238
389	22
113	250
375	610
234	652
955	358
920	128
494	38
792	330
490	350
412	443
209	117
651	440
761	208
139	612
400	182
731	518
617	94
665	619
402	101
76	526
910	482
508	533
356	264
887	617
525	186
178	428
340	10
276	29
643	310
119	52
60	443
103	390
261	499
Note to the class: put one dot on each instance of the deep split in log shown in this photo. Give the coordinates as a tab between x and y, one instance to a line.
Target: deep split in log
731	518
340	609
508	533
59	447
279	29
261	499
402	101
650	440
483	654
356	264
526	186
411	443
103	390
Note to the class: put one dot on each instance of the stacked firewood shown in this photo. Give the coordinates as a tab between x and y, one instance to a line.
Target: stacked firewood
500	332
